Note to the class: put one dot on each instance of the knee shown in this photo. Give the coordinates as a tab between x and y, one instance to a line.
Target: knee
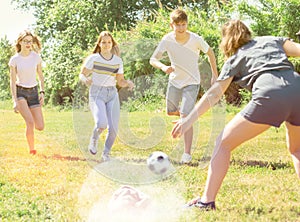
30	124
101	129
176	113
223	144
39	127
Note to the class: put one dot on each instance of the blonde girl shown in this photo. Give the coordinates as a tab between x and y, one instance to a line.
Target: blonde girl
24	66
106	68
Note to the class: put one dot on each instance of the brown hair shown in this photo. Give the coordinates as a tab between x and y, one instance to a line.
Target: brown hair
178	15
234	35
115	48
36	44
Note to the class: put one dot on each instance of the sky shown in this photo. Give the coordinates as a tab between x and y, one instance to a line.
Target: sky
13	21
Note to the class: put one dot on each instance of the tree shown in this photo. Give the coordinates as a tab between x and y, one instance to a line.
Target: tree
273	17
69	28
6	51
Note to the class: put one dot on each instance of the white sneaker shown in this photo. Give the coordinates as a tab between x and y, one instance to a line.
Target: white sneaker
93	146
105	157
186	158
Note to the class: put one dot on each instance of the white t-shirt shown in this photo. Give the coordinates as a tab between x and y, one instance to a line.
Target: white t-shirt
104	71
26	67
184	58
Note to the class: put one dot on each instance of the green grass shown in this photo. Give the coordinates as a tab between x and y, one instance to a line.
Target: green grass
59	183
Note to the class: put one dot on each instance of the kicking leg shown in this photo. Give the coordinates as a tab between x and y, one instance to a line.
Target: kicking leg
237	131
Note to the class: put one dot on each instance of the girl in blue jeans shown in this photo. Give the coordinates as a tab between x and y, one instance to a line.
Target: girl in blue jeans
106	68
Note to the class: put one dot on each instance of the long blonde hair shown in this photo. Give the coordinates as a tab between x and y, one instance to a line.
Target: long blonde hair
36	43
115	48
234	35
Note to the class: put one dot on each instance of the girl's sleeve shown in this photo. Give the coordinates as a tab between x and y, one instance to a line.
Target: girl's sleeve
229	69
12	62
121	68
89	62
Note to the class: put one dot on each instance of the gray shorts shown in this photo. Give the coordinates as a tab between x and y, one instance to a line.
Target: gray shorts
275	99
185	97
31	95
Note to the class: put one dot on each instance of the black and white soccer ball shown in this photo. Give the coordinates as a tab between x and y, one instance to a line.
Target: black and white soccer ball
158	162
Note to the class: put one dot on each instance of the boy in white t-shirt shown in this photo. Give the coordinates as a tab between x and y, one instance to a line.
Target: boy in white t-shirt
183	48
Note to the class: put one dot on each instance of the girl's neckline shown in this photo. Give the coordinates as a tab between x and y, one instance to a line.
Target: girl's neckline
25	56
107	59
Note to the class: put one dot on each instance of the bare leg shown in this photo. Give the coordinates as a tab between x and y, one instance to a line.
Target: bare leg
27	116
237	131
176	113
37	115
188	139
293	144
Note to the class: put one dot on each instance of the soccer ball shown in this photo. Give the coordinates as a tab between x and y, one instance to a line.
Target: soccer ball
158	162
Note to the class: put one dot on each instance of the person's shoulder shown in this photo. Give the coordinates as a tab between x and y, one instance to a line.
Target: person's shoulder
117	58
93	56
269	39
264	38
15	56
13	59
35	54
196	36
168	36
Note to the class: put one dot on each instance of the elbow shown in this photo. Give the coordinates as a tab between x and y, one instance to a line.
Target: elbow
151	61
214	96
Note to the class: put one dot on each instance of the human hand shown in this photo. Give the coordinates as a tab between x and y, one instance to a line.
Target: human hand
15	107
41	98
130	85
167	69
181	126
89	81
86	80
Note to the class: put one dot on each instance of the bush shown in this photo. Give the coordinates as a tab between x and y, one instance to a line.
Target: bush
6	51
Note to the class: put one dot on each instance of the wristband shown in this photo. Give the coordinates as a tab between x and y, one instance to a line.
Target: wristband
42	92
83	78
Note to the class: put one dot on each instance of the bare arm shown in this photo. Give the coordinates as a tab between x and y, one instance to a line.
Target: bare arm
213	64
155	62
291	48
124	83
13	74
84	74
41	80
208	100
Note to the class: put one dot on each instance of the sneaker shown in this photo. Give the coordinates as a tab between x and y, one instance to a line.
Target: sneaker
186	158
93	146
105	157
200	205
205	206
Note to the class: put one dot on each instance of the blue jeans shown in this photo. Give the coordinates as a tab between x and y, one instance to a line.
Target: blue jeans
105	107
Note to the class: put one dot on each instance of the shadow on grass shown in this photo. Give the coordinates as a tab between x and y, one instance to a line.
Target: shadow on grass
195	163
67	158
246	163
262	164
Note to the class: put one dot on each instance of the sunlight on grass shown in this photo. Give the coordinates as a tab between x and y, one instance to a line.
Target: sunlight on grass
59	184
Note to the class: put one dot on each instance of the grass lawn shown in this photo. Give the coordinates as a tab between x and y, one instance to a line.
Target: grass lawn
63	182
